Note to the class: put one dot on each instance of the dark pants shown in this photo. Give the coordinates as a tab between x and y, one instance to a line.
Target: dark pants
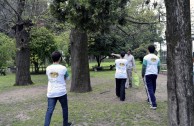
120	88
51	106
150	81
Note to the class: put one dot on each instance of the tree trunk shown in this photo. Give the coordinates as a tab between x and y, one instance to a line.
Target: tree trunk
179	64
98	60
22	57
22	46
36	67
79	62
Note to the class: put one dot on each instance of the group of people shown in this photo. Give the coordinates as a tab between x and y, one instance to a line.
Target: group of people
57	75
150	70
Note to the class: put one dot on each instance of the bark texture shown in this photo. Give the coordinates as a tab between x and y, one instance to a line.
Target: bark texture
22	58
79	62
179	63
22	44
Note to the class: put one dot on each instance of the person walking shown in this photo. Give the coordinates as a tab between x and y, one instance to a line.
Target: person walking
150	70
56	90
130	67
121	76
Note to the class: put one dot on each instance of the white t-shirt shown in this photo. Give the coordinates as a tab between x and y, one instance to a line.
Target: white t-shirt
121	68
56	81
151	61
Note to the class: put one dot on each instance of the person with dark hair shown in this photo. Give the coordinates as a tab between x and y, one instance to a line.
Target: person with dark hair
56	90
130	67
121	76
150	70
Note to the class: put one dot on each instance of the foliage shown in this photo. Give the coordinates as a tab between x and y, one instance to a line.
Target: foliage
62	42
102	45
140	52
139	26
7	50
90	15
42	44
142	25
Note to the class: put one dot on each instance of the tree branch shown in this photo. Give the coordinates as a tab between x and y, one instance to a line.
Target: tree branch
13	9
137	22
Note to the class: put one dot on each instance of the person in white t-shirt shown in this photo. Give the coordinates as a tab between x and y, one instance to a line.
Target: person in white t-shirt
150	70
130	67
121	76
56	90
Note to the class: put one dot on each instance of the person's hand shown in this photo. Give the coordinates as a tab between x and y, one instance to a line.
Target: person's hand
112	54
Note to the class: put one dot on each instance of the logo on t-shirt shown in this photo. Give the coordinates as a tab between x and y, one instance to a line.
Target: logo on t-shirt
121	64
54	74
153	59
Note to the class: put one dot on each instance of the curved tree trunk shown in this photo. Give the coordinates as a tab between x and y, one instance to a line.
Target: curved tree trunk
22	57
179	64
79	62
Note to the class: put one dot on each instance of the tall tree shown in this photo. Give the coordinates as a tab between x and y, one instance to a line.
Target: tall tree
17	15
179	63
22	45
85	15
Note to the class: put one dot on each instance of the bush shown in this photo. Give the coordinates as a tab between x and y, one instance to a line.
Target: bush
140	52
7	50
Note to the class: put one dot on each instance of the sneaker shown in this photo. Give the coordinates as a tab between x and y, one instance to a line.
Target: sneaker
154	108
69	124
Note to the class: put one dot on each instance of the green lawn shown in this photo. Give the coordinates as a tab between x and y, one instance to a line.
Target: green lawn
26	106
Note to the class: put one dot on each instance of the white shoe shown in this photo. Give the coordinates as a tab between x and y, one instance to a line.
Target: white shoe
154	108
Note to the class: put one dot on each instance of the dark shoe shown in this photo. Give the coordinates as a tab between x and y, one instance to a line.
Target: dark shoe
69	124
148	101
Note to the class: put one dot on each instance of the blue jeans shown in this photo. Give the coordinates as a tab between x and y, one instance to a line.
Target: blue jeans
51	106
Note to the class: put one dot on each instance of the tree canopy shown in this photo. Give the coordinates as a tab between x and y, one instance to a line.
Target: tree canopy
42	43
90	15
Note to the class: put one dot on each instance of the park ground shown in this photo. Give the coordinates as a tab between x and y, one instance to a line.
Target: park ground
26	106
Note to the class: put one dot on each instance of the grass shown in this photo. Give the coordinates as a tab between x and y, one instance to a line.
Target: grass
97	108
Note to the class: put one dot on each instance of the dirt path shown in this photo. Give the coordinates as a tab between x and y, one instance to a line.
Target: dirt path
132	94
137	95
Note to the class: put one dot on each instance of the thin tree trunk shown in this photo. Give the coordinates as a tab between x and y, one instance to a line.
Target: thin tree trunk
98	60
79	62
179	64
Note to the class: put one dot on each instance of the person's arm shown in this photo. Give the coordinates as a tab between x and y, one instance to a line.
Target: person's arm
133	64
159	67
144	68
117	55
66	76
